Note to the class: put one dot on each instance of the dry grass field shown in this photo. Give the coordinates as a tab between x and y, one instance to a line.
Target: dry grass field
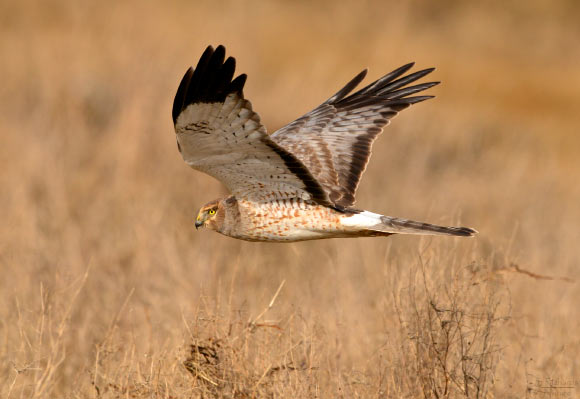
108	291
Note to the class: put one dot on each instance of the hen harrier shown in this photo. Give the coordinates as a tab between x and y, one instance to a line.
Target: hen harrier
298	183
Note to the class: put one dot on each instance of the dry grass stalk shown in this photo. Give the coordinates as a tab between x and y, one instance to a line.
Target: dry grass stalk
226	358
452	331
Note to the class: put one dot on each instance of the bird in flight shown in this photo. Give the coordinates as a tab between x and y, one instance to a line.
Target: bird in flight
298	183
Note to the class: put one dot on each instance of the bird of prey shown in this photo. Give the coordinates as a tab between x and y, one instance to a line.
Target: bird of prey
298	183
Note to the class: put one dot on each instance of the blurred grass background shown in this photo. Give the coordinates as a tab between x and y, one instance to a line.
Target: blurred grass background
105	282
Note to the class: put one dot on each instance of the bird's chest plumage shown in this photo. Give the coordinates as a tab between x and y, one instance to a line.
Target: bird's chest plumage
285	220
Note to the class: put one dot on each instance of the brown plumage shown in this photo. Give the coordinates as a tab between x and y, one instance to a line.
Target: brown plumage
300	182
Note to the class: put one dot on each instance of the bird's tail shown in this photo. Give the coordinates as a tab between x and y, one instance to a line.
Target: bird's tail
404	226
385	224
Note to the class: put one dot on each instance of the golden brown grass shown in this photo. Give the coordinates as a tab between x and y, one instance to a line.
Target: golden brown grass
107	290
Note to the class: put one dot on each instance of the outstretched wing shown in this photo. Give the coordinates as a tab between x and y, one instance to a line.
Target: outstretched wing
334	140
219	134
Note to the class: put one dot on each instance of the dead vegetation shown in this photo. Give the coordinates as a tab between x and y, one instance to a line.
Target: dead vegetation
448	337
452	333
230	358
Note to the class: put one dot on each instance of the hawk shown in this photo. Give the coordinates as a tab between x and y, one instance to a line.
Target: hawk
298	183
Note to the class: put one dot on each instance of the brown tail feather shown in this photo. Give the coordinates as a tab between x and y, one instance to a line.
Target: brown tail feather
404	226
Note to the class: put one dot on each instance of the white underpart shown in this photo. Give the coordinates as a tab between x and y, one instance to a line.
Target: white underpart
363	219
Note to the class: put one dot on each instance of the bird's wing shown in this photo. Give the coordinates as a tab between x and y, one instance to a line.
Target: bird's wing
219	134
334	140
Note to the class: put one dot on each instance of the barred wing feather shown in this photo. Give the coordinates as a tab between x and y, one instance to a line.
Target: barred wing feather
334	140
218	133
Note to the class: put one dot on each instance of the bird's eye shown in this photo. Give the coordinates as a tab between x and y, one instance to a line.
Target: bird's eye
212	212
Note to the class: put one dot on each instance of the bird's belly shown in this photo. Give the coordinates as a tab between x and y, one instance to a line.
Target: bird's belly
289	221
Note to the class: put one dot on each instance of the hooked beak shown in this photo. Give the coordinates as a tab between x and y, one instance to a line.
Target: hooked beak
198	224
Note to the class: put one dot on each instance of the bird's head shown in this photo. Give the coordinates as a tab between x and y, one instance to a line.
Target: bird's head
210	215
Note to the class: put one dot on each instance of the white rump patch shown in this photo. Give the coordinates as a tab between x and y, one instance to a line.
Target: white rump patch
363	219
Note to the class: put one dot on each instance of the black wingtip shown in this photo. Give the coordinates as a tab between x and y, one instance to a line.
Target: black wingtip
237	84
180	95
392	90
407	91
210	81
401	82
354	82
417	99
